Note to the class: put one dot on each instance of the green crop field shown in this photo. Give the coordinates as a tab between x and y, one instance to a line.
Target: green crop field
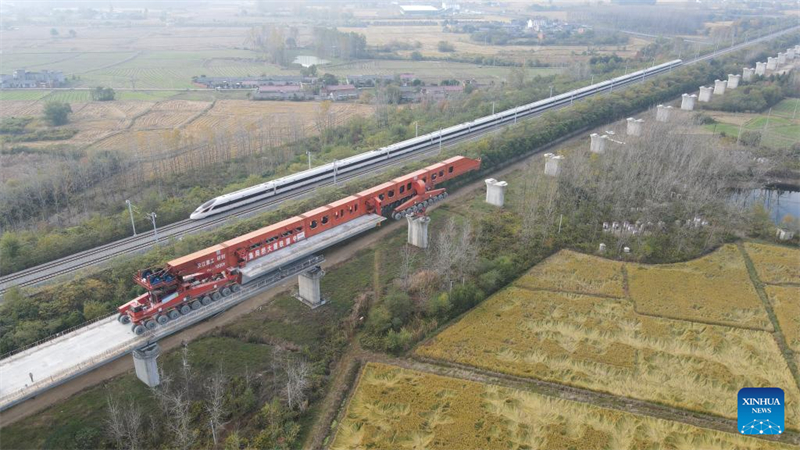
69	96
779	128
20	94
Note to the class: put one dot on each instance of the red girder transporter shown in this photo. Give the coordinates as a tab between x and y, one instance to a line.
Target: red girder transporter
195	280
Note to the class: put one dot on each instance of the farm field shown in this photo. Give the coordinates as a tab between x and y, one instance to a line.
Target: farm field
775	264
405	409
575	272
430	36
602	343
785	301
779	129
715	288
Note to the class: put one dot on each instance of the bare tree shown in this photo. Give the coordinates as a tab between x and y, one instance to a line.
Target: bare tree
298	374
407	266
124	423
216	402
115	426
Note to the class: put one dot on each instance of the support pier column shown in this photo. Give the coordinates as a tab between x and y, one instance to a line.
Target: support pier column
418	230
495	192
309	287
144	361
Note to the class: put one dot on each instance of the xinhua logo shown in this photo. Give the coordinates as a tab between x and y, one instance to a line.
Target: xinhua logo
761	411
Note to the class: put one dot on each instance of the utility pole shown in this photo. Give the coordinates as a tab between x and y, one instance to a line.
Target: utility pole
492	108
130	210
152	217
416	129
551	90
308	152
334	172
440	140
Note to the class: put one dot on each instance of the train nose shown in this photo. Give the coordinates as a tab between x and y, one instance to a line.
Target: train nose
195	215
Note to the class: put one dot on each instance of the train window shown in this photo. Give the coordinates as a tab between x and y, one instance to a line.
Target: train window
391	193
355	207
424	179
408	186
433	176
441	173
313	224
324	220
336	215
450	169
380	196
402	189
299	229
341	212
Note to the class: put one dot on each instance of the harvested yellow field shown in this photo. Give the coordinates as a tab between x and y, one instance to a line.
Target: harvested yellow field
575	272
715	288
786	304
395	408
602	344
775	264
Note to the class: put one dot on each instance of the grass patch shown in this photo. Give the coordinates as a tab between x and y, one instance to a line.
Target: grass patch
715	288
404	409
69	96
775	264
575	272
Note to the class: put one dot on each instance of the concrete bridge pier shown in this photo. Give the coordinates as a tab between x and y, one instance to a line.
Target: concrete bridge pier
705	94
733	81
748	73
495	192
598	143
418	230
687	102
634	126
144	361
761	68
662	113
309	291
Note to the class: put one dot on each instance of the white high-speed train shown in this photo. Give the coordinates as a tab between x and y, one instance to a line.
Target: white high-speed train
328	171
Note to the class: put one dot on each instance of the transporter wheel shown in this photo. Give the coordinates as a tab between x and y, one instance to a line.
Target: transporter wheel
150	324
216	296
138	329
205	301
195	305
445	194
124	319
162	319
226	292
173	314
185	309
397	216
236	288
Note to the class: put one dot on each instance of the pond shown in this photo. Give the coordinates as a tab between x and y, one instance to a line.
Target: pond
780	201
308	61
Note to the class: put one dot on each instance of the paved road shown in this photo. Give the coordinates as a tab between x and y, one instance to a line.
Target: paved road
70	265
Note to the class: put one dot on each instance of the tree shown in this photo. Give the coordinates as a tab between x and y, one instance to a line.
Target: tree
53	32
330	80
298	373
101	94
416	56
446	47
73	33
216	402
57	113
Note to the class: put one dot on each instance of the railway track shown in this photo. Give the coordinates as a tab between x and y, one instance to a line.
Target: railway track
143	241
